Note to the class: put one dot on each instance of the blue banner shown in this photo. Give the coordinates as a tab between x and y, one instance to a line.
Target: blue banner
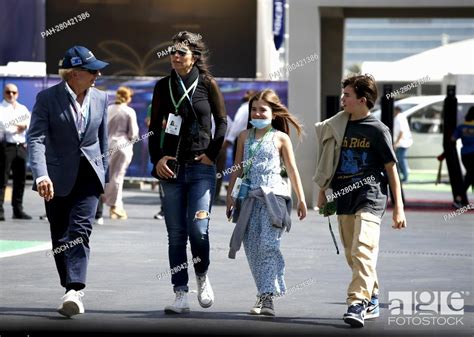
278	22
22	23
232	89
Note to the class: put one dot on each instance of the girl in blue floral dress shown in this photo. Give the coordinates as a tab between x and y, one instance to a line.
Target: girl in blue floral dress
261	151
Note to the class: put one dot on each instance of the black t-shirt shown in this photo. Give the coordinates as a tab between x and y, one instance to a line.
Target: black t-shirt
360	181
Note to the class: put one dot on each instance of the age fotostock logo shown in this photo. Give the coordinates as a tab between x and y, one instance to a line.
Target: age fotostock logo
428	307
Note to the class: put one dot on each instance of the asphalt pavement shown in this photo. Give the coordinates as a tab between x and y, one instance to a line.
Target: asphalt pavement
430	264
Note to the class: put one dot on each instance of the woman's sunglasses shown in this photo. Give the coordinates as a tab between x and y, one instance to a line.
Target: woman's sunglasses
181	52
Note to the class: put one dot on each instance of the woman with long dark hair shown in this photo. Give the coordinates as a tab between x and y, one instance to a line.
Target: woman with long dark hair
183	151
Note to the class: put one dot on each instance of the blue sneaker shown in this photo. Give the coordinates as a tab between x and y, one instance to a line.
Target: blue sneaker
373	309
355	315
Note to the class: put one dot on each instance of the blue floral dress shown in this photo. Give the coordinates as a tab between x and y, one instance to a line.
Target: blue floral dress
262	240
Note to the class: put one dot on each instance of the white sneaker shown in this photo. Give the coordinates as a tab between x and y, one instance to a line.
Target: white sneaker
180	305
72	303
205	293
99	221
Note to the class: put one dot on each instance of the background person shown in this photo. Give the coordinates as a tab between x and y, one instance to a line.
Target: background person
234	128
99	213
402	141
68	131
15	118
123	129
189	96
160	215
220	166
240	122
2	165
465	131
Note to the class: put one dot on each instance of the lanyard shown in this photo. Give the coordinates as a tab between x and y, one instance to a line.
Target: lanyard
332	234
186	93
252	153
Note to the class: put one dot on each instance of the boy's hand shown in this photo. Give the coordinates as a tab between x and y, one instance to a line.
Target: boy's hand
322	200
399	220
398	216
328	209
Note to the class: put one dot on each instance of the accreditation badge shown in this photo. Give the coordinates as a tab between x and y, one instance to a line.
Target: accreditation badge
174	124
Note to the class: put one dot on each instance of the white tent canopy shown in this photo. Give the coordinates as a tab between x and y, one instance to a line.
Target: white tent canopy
453	58
23	68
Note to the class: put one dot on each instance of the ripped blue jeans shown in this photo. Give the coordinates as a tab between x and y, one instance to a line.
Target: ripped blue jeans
187	205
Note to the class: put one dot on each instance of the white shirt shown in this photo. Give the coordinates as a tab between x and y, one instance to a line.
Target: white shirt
400	124
240	123
82	109
229	125
2	124
10	116
230	122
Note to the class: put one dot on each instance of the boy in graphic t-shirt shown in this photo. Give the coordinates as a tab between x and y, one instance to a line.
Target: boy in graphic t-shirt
356	159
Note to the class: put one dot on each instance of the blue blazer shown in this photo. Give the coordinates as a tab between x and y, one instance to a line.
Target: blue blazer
54	147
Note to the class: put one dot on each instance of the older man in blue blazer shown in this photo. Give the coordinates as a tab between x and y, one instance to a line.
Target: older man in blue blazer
68	131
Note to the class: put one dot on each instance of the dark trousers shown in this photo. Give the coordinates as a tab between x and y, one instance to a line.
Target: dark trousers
2	176
161	193
188	203
13	159
71	218
468	162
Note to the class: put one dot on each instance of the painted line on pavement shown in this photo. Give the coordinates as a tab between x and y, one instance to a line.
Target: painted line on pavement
38	247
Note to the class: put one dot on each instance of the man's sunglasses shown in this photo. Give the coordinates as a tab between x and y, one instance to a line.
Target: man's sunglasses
8	92
90	71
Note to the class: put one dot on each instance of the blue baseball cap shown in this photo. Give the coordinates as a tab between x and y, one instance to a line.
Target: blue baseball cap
81	57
